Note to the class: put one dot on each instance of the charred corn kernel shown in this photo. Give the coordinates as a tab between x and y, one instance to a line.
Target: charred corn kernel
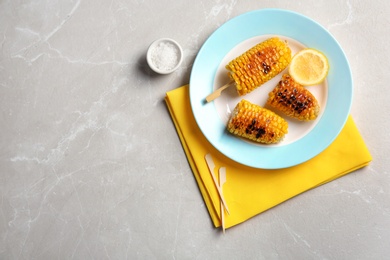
256	123
259	64
293	100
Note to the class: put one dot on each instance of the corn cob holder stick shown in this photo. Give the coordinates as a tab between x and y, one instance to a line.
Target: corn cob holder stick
222	180
211	166
218	91
256	66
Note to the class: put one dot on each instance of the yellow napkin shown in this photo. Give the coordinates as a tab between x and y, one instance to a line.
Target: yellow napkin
249	191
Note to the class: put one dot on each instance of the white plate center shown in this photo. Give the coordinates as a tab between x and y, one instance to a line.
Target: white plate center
229	98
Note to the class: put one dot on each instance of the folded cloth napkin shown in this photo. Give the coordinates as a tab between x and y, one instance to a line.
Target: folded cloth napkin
249	191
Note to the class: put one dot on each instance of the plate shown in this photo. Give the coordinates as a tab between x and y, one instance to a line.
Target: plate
305	140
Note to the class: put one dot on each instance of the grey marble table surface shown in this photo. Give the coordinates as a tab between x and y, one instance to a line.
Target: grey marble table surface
91	166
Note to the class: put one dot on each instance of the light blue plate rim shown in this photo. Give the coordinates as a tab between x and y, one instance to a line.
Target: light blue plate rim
274	22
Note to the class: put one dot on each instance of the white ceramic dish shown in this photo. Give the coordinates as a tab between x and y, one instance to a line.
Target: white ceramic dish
164	56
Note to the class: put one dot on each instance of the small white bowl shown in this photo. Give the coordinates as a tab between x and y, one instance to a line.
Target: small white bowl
164	56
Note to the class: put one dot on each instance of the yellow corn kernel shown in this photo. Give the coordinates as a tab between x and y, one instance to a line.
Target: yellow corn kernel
256	123
259	64
293	100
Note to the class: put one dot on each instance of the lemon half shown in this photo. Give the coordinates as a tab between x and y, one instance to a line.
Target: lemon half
309	67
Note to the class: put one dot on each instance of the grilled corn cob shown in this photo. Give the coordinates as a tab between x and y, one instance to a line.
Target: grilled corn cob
294	100
256	123
259	64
